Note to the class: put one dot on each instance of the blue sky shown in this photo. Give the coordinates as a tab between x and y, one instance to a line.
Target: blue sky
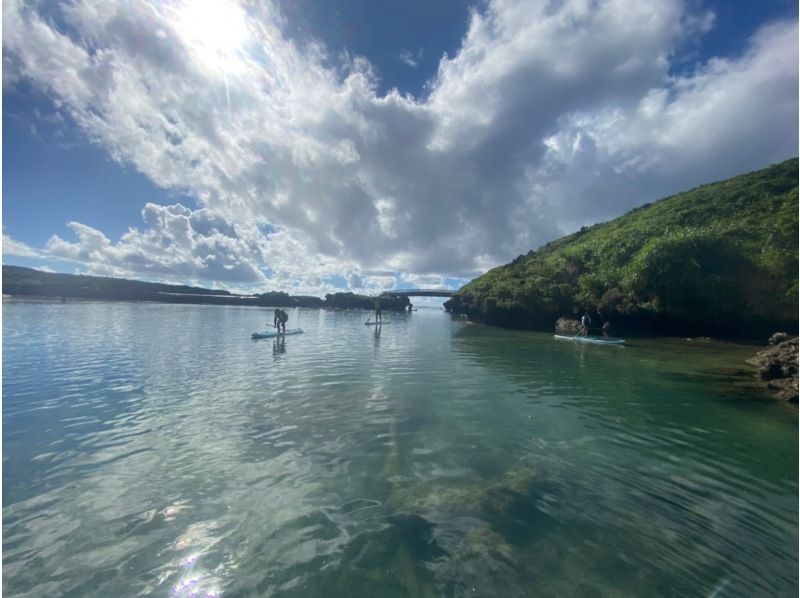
313	146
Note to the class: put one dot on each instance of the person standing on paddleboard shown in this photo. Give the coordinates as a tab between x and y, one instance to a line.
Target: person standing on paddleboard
279	321
586	321
378	317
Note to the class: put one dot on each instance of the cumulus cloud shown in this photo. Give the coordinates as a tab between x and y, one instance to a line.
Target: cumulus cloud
177	243
197	246
549	116
17	248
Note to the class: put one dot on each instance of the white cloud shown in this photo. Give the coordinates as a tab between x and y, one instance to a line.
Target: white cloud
550	116
198	246
17	248
411	59
195	245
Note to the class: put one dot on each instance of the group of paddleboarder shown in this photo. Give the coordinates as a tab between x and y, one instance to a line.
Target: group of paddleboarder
281	317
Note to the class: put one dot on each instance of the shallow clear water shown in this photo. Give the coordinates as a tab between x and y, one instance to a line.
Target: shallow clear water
158	450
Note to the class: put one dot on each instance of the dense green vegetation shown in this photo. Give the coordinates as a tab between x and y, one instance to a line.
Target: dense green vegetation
721	259
26	281
29	282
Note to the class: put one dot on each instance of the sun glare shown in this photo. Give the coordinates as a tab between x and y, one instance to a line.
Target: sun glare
216	30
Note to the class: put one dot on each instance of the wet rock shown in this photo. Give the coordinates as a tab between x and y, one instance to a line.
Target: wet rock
567	325
777	366
778	338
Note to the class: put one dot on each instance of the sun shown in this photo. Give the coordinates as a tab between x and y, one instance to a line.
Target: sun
216	31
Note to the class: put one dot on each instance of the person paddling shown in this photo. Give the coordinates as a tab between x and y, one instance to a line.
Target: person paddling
378	317
586	322
279	321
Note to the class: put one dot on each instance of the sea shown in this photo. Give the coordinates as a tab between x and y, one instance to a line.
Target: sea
157	450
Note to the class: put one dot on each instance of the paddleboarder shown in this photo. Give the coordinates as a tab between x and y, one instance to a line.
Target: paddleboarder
378	317
586	321
279	321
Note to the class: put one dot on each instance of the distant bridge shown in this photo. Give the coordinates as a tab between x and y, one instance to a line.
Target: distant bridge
419	293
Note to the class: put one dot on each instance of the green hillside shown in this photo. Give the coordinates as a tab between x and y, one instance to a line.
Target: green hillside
721	259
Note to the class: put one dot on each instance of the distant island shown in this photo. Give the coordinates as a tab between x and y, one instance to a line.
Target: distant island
27	282
719	260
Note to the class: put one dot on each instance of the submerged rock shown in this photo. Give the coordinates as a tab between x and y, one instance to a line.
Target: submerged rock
777	366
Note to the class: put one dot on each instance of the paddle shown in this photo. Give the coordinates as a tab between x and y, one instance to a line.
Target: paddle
581	330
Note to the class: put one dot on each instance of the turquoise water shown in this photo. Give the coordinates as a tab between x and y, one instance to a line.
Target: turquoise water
158	450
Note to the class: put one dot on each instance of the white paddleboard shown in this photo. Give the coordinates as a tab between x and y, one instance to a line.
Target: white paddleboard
274	333
595	340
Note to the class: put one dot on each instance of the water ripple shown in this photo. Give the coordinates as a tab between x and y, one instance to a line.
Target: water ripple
158	450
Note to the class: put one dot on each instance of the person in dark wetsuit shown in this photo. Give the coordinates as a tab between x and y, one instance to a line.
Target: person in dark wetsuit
279	321
378	317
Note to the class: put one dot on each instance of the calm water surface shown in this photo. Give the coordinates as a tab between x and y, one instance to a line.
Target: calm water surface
158	450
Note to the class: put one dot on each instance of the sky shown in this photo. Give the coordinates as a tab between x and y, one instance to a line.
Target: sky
313	147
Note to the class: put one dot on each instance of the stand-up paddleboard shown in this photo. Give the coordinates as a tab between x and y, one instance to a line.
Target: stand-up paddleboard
378	323
595	340
274	333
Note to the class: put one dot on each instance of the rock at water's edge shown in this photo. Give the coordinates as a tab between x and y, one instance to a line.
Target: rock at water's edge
777	366
567	325
564	324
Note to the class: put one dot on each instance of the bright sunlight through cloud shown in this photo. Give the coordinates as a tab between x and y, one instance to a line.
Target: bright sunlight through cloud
216	31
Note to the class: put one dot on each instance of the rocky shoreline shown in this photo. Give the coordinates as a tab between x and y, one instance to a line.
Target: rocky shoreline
777	366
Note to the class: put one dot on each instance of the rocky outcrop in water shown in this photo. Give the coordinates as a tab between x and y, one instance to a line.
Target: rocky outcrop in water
777	366
565	325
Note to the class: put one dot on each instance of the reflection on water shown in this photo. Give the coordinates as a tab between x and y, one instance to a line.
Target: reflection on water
148	450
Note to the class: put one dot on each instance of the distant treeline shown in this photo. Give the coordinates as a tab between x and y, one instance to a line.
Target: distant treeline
34	283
